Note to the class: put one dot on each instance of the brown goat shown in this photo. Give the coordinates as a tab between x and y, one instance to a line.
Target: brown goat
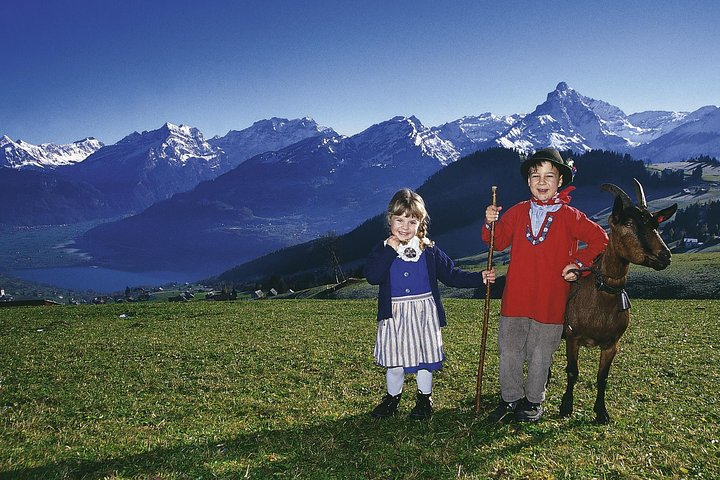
597	312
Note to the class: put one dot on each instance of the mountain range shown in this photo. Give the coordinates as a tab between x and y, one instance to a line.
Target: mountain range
206	205
275	199
456	197
23	155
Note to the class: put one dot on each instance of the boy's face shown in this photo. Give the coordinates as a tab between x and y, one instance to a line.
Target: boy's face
544	181
404	227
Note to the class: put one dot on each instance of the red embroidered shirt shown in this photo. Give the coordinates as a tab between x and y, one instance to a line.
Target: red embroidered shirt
534	285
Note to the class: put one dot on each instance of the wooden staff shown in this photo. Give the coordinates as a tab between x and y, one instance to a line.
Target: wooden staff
481	364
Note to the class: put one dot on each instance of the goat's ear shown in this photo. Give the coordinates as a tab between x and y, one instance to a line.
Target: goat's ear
665	213
617	210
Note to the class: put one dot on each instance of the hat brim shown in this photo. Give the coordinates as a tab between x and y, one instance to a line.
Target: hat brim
564	170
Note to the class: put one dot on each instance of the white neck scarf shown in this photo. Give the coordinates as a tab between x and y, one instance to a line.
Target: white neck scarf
537	215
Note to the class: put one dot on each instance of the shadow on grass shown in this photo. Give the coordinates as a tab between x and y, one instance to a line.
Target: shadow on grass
454	440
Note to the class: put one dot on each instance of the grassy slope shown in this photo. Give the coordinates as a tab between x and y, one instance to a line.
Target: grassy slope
282	389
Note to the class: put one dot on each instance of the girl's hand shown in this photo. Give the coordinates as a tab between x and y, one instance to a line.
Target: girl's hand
393	241
488	276
568	275
492	214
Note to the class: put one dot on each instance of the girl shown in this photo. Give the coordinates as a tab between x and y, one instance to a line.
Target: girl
407	267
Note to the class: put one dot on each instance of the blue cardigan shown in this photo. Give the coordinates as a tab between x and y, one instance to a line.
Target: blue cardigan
439	265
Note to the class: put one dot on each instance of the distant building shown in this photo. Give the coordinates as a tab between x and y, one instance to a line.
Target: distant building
5	298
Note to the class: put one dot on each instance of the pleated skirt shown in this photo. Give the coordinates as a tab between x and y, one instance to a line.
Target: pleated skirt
412	337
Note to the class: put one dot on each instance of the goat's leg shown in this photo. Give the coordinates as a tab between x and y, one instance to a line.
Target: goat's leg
572	348
606	358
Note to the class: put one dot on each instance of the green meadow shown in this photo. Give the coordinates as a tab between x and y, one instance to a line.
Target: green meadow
282	389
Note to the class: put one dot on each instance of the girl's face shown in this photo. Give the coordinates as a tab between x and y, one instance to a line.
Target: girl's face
544	181
404	227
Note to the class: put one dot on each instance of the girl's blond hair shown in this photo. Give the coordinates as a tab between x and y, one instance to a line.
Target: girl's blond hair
406	201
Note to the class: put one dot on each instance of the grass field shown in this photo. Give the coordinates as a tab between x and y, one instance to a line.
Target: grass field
282	389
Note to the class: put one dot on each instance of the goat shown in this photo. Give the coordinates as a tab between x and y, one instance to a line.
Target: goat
597	312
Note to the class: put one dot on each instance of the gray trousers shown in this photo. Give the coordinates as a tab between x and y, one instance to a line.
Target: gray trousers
521	340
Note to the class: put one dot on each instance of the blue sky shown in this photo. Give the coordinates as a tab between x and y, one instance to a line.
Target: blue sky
73	69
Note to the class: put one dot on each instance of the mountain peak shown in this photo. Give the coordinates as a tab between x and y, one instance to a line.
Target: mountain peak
385	136
184	130
24	155
267	135
562	92
163	133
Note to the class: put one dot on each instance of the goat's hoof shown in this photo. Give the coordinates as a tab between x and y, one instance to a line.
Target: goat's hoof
602	418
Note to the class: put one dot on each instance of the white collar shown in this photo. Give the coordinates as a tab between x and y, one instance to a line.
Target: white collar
410	252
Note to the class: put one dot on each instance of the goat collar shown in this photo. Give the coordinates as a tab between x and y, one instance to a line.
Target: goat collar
601	283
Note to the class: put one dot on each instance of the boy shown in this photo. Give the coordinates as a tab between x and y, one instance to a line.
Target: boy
544	233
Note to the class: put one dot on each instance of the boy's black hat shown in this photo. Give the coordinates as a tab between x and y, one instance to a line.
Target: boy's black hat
565	166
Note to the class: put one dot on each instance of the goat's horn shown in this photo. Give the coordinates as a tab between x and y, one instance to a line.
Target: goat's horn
618	192
640	193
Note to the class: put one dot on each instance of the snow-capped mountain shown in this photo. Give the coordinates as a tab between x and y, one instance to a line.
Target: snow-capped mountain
471	133
276	199
146	167
22	155
266	136
382	145
566	121
280	182
697	136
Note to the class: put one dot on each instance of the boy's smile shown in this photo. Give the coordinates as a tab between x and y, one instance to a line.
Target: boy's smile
404	227
544	181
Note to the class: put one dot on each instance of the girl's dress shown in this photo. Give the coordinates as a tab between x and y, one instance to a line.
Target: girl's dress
411	338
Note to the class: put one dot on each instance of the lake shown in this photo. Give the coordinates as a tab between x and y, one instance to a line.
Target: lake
101	280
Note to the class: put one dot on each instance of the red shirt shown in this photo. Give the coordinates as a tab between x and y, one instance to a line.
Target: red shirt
534	285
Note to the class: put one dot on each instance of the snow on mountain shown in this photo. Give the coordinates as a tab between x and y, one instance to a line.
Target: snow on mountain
278	198
23	155
700	135
567	120
383	144
657	123
143	168
267	135
399	142
471	133
174	144
398	152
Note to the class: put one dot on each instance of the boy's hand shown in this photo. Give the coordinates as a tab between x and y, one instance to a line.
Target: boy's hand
492	213
568	275
488	276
